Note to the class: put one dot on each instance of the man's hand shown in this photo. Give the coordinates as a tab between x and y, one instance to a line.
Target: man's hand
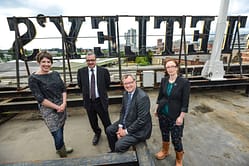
121	133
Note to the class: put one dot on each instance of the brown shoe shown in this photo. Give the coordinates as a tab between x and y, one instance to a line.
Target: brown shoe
164	152
179	158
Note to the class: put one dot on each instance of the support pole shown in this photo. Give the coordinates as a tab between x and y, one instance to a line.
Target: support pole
214	68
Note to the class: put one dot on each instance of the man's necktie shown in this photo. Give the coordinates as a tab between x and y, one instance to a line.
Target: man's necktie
127	108
93	96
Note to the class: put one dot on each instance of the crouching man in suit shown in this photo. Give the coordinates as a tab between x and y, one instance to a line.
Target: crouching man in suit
134	124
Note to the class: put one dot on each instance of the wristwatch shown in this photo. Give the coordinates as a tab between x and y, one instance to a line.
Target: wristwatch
120	126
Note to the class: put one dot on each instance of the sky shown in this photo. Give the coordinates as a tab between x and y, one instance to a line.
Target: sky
31	8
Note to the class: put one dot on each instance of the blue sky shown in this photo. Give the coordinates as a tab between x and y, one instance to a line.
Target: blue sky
27	8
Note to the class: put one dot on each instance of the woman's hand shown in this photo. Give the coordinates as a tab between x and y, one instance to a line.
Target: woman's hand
179	120
155	114
62	107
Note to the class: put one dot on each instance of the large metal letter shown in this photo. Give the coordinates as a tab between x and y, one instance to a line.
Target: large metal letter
230	31
168	44
205	31
73	33
111	30
142	20
24	39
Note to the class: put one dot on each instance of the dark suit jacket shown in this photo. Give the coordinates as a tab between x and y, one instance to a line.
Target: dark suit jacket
138	120
178	100
103	83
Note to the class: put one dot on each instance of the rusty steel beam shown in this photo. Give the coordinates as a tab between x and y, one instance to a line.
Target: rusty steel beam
16	101
29	103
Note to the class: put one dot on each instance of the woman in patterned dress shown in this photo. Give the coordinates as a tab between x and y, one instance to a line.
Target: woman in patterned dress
50	92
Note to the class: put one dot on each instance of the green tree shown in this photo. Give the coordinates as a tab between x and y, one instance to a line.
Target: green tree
150	55
142	60
11	52
1	55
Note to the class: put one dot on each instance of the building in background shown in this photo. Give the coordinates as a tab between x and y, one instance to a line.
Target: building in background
131	39
159	46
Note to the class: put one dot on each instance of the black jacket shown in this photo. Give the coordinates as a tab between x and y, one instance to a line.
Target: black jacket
138	120
178	100
103	83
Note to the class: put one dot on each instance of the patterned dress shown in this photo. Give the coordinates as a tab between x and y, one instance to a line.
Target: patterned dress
51	87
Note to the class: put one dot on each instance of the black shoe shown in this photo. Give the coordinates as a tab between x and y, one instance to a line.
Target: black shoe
111	151
96	139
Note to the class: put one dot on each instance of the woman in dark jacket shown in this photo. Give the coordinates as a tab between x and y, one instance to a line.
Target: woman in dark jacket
173	100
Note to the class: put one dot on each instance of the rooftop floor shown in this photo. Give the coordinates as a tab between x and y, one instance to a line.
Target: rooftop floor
215	133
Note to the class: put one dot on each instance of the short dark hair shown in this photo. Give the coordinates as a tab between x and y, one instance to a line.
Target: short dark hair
43	54
90	53
128	75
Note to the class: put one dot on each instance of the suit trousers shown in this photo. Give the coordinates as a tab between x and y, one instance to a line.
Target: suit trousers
119	145
96	109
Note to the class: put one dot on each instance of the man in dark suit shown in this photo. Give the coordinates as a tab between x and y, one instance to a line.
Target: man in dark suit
94	81
134	124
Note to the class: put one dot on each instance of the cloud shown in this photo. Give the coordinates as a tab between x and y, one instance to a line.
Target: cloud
28	8
239	7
